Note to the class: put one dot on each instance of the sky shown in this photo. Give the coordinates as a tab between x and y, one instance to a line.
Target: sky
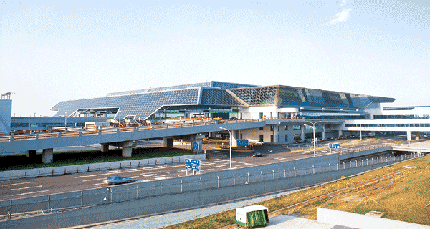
52	51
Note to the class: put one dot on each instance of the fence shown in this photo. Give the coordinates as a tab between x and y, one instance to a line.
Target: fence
113	194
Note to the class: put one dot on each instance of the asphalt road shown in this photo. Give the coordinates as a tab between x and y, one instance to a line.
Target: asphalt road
30	187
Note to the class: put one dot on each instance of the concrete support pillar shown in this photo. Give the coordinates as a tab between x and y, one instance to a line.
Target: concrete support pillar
409	135
276	133
104	147
31	153
234	136
168	142
290	138
417	136
323	132
47	155
340	133
127	149
302	127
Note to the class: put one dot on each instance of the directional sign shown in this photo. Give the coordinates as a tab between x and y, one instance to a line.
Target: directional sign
242	142
192	164
333	146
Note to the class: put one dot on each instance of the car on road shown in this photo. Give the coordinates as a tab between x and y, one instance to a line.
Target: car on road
257	154
118	180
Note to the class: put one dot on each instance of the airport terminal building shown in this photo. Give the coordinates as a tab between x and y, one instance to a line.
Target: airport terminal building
284	108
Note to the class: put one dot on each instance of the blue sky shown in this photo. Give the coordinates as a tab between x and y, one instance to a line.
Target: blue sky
51	51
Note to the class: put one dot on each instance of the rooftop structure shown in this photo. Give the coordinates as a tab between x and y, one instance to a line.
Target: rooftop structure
212	99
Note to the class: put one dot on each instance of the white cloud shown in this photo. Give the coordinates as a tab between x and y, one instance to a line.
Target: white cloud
341	17
343	3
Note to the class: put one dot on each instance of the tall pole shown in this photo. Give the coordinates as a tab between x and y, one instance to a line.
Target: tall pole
229	132
65	119
313	125
230	146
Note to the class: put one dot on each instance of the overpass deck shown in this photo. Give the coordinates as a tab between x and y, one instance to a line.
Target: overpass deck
20	144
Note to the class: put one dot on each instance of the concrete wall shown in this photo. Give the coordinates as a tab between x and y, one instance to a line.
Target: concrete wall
71	169
352	220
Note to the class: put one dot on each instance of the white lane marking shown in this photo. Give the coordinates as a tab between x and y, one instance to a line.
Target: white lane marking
148	175
88	176
219	166
85	180
18	183
100	184
161	178
43	191
26	193
176	166
144	180
100	179
134	177
39	186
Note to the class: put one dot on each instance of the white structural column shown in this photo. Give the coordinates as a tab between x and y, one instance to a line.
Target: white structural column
323	132
409	135
168	142
234	135
302	127
276	133
104	147
47	155
127	149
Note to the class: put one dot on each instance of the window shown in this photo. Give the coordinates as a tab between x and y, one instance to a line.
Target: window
271	138
286	127
286	137
261	115
271	128
261	138
261	128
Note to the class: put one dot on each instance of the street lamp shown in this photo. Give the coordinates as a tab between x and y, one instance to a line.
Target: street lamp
230	142
65	119
313	127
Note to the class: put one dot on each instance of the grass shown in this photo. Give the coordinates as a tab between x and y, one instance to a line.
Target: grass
404	197
20	162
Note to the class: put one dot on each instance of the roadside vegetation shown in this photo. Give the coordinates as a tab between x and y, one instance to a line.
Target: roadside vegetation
20	162
399	191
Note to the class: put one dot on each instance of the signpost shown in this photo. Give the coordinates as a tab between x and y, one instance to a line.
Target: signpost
192	165
333	146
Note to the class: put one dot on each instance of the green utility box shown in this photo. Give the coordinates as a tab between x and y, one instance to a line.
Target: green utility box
252	216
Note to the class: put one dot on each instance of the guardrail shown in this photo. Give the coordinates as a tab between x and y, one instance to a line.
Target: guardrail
29	207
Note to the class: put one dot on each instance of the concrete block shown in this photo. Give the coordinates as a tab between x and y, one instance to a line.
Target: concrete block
151	161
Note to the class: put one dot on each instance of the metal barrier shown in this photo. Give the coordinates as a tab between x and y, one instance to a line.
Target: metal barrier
34	206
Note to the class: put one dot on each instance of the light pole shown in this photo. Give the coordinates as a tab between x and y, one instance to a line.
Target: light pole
119	120
313	127
230	142
65	119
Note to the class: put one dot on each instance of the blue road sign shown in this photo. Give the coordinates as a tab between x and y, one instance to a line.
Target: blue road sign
242	142
333	146
192	164
195	146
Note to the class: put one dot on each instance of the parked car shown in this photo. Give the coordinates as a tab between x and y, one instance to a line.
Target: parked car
118	180
257	154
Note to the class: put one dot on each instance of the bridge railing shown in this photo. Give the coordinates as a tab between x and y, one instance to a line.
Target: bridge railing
78	132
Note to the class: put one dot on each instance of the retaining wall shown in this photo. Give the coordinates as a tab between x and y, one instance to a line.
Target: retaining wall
70	169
